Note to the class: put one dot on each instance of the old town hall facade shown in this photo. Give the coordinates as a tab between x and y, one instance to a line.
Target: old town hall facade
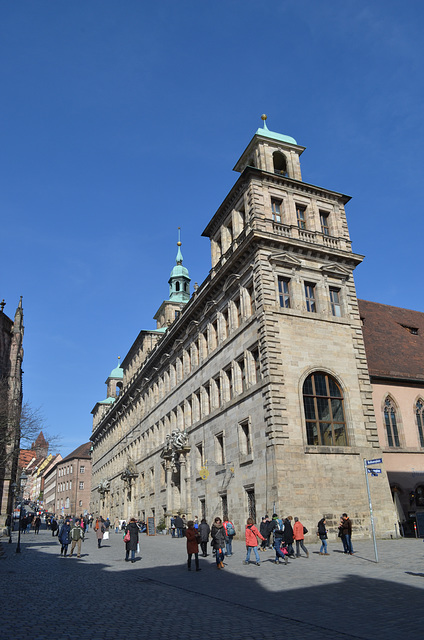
252	395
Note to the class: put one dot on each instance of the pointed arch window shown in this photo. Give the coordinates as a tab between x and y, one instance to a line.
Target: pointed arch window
419	412
324	411
390	422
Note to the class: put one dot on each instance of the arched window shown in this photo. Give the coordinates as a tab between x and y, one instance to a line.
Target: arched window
280	163
391	424
177	286
324	411
419	412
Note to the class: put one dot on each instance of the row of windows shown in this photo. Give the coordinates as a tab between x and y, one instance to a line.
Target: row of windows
230	382
67	470
301	216
67	486
285	296
65	504
391	422
198	351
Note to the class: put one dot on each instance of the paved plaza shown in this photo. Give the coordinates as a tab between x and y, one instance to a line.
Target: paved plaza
101	597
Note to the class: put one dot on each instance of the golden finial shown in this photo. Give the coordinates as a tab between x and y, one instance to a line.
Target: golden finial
179	235
264	117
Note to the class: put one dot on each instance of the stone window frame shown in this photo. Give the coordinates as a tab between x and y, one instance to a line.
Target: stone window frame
315	396
419	420
393	431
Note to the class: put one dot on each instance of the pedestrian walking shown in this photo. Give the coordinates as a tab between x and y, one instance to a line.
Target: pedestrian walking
204	531
252	534
65	537
288	535
279	544
219	536
179	525
264	528
77	537
116	525
131	539
299	532
193	537
37	524
322	535
99	528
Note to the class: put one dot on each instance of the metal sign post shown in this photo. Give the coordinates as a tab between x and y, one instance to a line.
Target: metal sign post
366	462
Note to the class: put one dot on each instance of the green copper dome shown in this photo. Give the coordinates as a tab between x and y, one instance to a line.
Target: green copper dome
272	134
118	372
107	401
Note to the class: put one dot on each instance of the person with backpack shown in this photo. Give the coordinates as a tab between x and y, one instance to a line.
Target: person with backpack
77	536
231	532
299	532
279	544
252	535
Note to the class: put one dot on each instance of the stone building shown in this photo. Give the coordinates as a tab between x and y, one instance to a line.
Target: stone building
73	482
11	357
50	484
394	341
252	395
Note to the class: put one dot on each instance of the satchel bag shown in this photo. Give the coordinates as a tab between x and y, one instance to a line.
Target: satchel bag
127	537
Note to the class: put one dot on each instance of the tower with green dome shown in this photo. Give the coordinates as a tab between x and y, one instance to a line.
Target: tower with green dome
179	292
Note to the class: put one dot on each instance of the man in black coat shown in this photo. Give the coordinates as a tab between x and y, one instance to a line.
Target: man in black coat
288	536
179	525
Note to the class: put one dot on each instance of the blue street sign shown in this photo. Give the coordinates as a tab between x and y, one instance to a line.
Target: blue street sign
374	472
375	461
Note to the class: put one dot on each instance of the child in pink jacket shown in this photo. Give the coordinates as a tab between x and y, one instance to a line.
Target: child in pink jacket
252	534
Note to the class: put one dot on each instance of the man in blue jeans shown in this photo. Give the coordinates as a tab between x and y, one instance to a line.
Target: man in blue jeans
346	529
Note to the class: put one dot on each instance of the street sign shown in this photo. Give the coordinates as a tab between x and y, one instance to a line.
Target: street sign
375	461
374	472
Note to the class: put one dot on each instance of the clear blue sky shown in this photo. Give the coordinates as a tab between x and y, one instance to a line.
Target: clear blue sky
121	121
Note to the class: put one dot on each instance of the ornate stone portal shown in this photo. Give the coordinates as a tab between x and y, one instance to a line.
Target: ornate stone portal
174	452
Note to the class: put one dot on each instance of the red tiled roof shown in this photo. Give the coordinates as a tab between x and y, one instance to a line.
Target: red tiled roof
25	457
394	340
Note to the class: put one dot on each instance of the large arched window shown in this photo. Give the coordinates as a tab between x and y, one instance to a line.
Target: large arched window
391	423
324	411
419	413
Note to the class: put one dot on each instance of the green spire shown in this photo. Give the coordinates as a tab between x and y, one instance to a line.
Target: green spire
179	282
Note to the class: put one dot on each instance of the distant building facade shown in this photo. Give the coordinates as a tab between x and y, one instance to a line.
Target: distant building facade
394	341
11	357
252	395
73	482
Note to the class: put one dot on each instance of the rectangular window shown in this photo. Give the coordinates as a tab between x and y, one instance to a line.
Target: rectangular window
336	309
245	442
237	319
324	216
202	508
199	455
224	506
228	383
284	292
310	297
276	210
301	216
219	448
82	469
256	360
81	485
251	503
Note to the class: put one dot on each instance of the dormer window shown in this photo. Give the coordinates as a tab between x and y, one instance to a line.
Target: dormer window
280	163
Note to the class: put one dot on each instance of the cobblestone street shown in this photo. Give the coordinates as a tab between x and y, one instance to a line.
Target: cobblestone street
101	596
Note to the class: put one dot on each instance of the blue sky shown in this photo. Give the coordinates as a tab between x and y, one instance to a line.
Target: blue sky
122	121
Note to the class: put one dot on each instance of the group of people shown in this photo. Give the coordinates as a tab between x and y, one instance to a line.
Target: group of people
345	533
71	532
275	533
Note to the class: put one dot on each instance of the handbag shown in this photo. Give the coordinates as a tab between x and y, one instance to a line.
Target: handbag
106	535
127	536
305	531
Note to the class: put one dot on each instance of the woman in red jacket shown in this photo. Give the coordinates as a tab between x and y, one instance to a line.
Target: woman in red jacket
252	534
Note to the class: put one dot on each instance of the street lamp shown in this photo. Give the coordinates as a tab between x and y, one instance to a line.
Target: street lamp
22	482
13	488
